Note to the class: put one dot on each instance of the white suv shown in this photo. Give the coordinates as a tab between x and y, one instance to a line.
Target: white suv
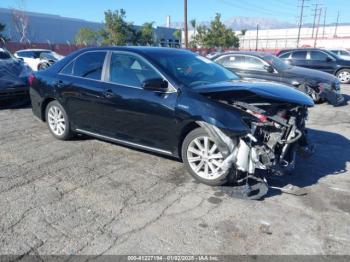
37	59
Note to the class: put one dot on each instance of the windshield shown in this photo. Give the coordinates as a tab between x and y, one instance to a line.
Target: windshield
276	62
192	70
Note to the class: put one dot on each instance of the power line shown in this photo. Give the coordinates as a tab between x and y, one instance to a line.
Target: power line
185	22
324	21
336	25
315	16
252	8
301	20
318	25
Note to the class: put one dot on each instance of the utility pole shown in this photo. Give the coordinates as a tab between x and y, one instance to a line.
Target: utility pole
301	20
324	21
186	25
257	37
336	25
314	24
318	25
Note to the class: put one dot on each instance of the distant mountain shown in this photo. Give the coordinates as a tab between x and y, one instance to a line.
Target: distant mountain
249	23
238	23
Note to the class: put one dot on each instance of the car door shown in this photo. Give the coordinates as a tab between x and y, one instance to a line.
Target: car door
81	91
249	67
136	115
322	61
298	58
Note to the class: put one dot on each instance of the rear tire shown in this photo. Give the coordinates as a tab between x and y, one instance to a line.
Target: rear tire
58	121
344	76
202	158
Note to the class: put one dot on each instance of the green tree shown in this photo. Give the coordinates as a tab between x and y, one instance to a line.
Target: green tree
177	34
86	36
117	31
243	32
217	35
146	34
3	39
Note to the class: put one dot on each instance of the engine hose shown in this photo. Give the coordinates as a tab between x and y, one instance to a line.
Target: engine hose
294	139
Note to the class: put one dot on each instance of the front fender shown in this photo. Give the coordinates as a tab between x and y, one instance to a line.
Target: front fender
193	107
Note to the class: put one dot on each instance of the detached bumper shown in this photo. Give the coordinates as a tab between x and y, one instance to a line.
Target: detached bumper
334	97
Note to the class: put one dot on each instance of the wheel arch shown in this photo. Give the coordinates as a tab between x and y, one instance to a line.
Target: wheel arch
186	129
44	105
342	68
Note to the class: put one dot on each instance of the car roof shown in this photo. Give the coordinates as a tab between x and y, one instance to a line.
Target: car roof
302	49
253	53
139	49
39	50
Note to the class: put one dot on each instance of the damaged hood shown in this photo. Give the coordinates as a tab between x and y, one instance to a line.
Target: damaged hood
268	90
302	72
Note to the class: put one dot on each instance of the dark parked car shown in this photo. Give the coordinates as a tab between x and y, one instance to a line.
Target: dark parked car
318	59
258	65
177	103
13	77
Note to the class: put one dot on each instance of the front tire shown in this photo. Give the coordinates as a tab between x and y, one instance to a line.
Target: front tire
57	121
202	158
344	76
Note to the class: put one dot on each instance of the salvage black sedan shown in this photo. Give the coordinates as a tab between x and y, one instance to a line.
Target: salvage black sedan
258	65
176	103
13	77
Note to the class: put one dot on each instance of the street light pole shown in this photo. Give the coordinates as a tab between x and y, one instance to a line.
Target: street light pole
186	25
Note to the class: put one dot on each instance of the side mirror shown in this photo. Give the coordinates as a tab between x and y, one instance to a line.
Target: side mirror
269	68
155	84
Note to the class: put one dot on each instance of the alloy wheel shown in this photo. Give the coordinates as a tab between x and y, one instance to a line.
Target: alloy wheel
344	77
204	158
56	120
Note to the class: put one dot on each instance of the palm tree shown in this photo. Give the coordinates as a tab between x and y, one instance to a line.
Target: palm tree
193	23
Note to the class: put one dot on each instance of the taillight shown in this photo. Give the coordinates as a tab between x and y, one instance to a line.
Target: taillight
31	79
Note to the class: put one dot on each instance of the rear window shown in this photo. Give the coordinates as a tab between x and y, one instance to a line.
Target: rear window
285	55
88	65
299	55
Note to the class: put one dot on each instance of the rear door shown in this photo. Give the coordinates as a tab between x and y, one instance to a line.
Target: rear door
322	61
82	92
299	58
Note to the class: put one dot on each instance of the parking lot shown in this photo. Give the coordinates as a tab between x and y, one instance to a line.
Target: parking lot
92	197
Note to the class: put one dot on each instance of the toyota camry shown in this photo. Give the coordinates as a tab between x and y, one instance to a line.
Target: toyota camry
174	102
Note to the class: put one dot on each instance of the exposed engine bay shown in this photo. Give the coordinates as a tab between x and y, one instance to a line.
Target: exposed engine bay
277	134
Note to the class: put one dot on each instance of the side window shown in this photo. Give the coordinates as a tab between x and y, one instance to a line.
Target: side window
285	55
319	56
253	63
130	70
89	65
299	55
68	69
233	61
26	54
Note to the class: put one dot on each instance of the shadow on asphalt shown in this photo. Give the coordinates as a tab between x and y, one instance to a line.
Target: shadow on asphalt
332	153
19	103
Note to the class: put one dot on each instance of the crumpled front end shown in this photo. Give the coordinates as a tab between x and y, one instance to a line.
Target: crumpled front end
277	133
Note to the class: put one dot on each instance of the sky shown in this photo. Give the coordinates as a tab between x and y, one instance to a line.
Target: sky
140	11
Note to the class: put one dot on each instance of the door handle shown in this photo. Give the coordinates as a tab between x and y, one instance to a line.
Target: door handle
108	93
